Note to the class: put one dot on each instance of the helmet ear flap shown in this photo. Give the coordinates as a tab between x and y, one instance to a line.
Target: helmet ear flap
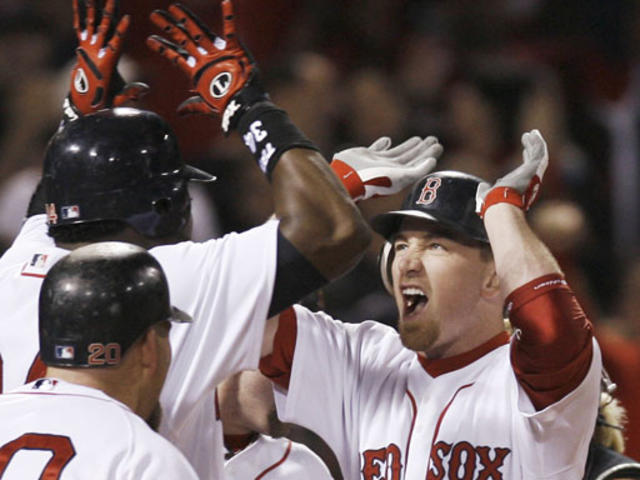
385	259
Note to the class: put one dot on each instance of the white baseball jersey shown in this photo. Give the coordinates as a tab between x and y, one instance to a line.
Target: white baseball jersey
387	414
270	458
60	431
225	284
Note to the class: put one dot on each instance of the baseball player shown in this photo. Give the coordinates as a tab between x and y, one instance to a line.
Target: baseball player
116	174
451	395
255	439
104	321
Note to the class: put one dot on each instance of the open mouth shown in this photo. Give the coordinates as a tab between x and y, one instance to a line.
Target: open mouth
413	299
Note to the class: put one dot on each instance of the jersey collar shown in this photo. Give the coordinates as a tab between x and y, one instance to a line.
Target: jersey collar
440	366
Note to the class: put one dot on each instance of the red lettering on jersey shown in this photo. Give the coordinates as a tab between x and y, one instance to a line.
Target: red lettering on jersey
429	191
36	370
439	452
491	466
382	464
61	447
462	464
459	462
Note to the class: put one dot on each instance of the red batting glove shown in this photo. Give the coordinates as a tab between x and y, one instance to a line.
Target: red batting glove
95	81
222	71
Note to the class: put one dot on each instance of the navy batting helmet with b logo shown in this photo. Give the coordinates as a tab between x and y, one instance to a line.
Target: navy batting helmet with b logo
447	198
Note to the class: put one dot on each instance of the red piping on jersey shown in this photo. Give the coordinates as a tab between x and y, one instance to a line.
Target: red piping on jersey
414	407
278	463
439	422
36	275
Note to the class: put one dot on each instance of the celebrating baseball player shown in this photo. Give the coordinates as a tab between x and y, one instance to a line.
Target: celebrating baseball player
104	321
116	174
451	395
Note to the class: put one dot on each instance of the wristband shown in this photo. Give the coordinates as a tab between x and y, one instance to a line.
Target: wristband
267	132
502	195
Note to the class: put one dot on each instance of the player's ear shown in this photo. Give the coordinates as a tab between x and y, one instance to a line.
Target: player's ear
491	283
148	345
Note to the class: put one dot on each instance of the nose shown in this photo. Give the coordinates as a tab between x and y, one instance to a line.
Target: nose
409	263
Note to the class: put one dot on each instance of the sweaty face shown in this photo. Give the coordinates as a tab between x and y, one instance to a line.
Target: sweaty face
437	284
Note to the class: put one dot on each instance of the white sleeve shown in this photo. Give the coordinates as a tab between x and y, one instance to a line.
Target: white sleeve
226	285
327	377
574	416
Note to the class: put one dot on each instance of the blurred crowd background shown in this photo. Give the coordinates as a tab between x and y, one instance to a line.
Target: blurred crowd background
474	73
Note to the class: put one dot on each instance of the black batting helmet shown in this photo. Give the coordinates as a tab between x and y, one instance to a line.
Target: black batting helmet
97	301
119	164
447	198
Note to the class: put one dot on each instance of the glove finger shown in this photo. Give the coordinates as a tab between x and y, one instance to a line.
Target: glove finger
420	151
195	28
107	17
195	105
174	28
402	148
228	25
381	144
116	42
90	19
131	91
171	52
76	18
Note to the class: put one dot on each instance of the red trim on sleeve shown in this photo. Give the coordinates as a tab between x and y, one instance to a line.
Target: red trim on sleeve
277	365
552	350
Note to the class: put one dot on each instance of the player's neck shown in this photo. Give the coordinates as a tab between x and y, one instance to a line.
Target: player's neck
103	379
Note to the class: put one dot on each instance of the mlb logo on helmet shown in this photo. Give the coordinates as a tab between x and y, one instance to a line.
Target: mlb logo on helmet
64	352
70	211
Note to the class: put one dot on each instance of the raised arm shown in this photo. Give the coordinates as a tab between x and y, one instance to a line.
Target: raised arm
322	232
553	349
518	253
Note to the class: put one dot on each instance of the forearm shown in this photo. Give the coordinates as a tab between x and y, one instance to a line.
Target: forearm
316	214
518	253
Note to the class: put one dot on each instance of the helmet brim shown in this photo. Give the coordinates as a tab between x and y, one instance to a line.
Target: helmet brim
388	224
194	174
179	316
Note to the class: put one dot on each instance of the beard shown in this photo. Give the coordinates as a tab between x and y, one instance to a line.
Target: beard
154	419
418	337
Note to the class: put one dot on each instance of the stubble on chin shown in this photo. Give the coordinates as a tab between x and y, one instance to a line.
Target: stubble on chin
418	336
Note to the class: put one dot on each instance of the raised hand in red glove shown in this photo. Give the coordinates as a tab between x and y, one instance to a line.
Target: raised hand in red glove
95	81
222	71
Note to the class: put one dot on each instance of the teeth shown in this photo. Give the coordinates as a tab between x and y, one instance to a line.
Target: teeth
413	291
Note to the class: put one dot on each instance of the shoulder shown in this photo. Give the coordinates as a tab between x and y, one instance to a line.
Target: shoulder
244	243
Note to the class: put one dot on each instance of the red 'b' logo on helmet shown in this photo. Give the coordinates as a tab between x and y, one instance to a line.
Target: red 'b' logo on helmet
429	191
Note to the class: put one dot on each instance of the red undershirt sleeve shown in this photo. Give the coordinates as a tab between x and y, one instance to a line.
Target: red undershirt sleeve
277	365
552	350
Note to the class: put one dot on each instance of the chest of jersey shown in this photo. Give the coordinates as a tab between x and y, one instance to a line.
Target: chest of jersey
457	425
